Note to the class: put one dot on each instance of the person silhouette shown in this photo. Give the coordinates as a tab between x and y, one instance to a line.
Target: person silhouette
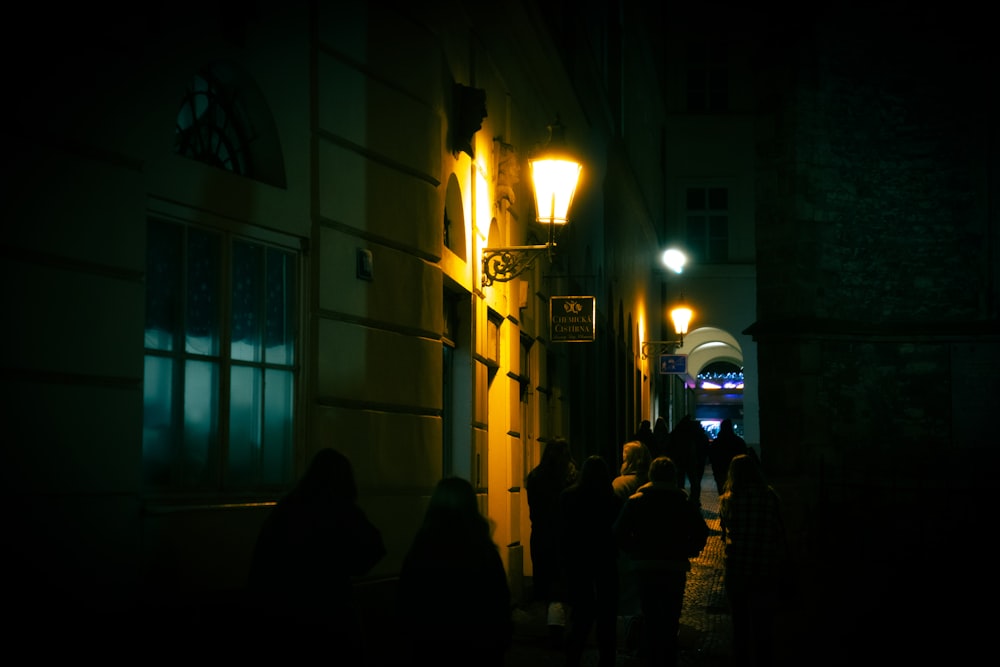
681	448
555	471
315	539
756	558
661	438
588	510
721	451
699	457
660	530
645	434
634	470
689	444
633	474
453	600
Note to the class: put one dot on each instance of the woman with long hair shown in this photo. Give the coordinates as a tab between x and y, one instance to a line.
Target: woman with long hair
453	598
314	541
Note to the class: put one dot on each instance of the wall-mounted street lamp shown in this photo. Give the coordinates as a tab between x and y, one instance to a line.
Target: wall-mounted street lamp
681	316
554	176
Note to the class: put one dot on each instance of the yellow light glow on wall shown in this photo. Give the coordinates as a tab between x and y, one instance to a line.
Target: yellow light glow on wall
484	201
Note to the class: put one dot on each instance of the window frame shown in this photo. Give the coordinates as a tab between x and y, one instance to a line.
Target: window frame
703	244
218	468
211	124
707	76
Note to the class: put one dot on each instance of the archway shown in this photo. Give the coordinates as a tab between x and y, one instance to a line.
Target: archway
715	376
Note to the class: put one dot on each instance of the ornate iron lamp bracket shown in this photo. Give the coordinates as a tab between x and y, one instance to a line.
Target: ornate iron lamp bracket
504	264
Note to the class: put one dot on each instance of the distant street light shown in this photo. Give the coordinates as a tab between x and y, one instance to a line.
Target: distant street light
681	316
674	260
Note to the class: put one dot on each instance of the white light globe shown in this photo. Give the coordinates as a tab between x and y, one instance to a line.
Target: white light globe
674	260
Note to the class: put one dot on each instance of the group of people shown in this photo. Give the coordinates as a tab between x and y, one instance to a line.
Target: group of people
691	449
453	603
605	545
602	546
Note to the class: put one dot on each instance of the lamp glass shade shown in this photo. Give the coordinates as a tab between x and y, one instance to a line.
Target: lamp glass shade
681	317
555	181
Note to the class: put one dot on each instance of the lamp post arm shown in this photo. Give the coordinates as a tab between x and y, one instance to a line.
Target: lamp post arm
504	264
651	347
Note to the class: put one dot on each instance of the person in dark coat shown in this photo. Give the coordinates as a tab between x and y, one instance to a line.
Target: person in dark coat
757	557
453	600
696	471
681	448
309	547
555	471
633	474
661	438
644	434
588	510
660	530
722	450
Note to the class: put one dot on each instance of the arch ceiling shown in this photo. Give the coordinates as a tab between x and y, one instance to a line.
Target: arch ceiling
709	344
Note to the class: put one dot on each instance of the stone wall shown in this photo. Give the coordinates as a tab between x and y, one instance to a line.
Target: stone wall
875	249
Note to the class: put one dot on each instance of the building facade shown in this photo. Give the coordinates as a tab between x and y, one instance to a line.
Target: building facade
249	232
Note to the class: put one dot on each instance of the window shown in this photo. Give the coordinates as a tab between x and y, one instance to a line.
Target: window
707	224
210	126
525	370
494	321
707	77
220	353
223	120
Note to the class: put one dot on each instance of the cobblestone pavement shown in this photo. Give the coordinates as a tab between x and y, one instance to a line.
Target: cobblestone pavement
705	634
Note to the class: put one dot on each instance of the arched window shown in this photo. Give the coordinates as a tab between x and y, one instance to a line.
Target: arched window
224	121
210	126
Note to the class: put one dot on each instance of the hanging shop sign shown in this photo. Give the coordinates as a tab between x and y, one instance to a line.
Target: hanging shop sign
673	364
571	319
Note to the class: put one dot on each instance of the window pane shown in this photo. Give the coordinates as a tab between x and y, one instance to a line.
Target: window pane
203	293
718	250
158	434
278	426
248	270
718	226
201	423
244	426
695	199
281	306
163	284
697	227
493	338
718	199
